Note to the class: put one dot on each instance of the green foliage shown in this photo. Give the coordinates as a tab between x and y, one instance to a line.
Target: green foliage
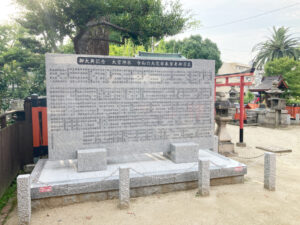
195	47
279	66
22	65
293	101
138	20
280	44
67	48
8	194
289	69
249	97
128	49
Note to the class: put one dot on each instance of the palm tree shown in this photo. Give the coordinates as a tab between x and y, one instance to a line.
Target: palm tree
280	44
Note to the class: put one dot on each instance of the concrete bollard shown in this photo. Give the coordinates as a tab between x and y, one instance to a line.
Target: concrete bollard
124	188
203	177
24	199
270	171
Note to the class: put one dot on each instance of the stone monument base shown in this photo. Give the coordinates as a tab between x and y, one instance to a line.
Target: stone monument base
59	182
59	201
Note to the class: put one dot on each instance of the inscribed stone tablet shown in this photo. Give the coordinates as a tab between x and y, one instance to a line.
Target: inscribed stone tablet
127	105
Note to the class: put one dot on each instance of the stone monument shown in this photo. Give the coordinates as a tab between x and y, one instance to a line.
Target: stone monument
153	116
127	106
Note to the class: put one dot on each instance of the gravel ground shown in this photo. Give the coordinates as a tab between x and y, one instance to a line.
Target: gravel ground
239	204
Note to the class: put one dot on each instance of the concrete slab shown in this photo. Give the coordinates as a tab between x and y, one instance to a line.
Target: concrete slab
60	178
274	149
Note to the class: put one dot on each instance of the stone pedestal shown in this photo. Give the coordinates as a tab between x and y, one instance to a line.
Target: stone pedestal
226	147
274	118
285	118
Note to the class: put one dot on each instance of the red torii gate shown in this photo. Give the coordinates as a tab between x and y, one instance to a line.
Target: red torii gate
242	84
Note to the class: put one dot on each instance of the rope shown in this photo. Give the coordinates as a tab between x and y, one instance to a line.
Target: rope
254	157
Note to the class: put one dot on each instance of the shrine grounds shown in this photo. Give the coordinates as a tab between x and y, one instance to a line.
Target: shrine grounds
239	204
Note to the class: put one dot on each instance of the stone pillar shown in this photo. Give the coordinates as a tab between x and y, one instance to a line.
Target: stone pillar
203	177
270	171
216	144
124	188
297	118
24	199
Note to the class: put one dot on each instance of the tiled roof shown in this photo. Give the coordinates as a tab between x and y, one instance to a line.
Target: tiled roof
266	83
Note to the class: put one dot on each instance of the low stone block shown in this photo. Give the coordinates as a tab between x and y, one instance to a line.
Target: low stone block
270	171
184	152
203	177
24	199
285	119
124	188
92	159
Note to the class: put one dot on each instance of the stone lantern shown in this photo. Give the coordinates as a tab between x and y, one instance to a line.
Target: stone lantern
274	101
222	106
234	95
276	114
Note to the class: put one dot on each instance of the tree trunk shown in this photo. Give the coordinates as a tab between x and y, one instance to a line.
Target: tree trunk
93	41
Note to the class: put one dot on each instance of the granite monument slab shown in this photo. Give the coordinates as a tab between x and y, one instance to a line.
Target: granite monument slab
127	105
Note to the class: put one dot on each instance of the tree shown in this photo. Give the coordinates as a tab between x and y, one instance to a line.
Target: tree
195	47
280	44
21	65
289	69
92	24
128	49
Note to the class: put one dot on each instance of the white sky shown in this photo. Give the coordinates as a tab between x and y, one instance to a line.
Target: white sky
236	40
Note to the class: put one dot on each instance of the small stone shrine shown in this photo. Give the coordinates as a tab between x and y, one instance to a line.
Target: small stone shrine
154	117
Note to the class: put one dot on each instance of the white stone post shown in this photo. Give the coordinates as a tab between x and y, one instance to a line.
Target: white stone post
203	177
124	188
24	199
270	171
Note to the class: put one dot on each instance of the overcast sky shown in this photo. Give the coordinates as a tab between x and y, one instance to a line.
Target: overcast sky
235	40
